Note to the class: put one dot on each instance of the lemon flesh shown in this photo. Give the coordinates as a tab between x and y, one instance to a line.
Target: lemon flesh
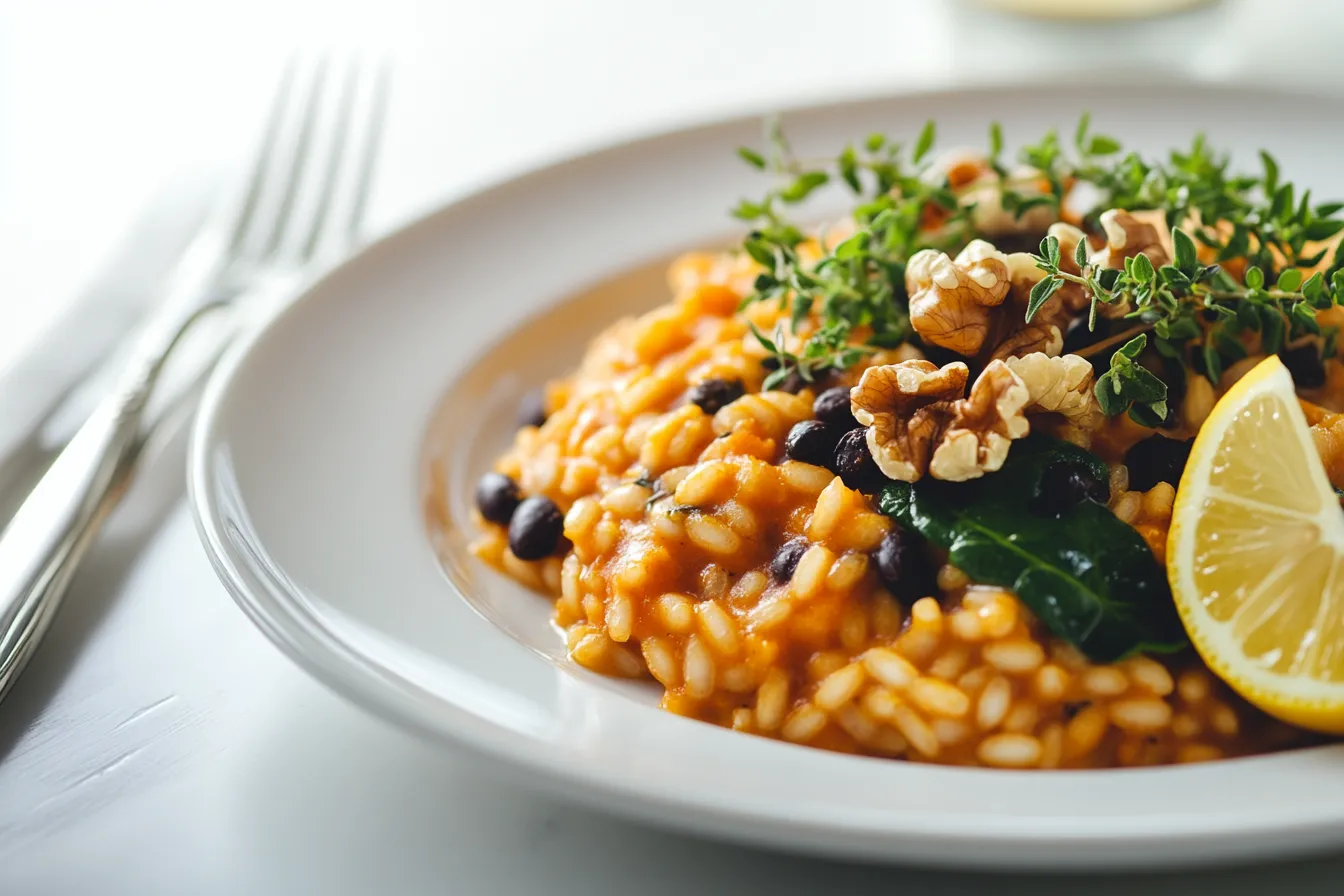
1256	554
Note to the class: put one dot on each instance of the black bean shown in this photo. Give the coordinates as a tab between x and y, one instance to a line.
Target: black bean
1157	459
832	406
904	567
536	528
710	395
1065	486
854	464
1306	366
812	442
497	497
532	409
786	559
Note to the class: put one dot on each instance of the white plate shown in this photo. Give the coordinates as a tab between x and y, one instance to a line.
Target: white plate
307	479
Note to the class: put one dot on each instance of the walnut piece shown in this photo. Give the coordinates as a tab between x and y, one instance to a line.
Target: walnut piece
1012	335
951	299
894	401
1032	338
1060	387
982	427
918	422
1129	234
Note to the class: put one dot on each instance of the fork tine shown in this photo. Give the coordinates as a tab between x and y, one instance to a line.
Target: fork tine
346	190
327	178
373	130
292	170
245	216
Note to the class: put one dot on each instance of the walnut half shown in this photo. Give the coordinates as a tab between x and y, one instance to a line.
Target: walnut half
903	406
951	300
919	422
1061	387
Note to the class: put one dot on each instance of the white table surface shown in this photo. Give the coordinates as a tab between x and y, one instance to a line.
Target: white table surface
158	743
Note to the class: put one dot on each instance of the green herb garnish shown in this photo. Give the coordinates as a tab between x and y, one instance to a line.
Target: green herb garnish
1195	315
1088	576
860	283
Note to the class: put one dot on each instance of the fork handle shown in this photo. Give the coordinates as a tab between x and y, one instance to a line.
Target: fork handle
53	528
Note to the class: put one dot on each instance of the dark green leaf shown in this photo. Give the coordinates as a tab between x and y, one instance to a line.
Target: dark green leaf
1143	386
748	211
995	139
1208	272
1310	261
804	185
1304	318
1080	254
1271	173
1041	293
1107	278
1103	146
1322	230
1246	316
1229	347
760	251
775	378
1282	205
925	142
1134	347
1151	416
1314	290
1089	577
751	157
1172	277
1182	328
766	342
849	169
1050	250
1213	365
853	247
1143	269
1185	251
1108	395
1271	329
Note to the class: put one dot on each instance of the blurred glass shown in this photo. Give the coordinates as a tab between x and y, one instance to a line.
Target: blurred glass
1093	9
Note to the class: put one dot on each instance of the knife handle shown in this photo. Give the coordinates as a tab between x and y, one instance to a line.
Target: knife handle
50	533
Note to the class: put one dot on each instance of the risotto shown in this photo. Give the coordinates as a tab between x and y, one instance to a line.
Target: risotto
753	523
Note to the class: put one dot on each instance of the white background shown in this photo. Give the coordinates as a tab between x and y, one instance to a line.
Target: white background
158	744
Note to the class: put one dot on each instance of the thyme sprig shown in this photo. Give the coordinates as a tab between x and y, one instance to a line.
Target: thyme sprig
1254	231
856	289
1193	311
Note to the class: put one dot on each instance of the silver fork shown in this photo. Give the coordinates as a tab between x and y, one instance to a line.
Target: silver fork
300	209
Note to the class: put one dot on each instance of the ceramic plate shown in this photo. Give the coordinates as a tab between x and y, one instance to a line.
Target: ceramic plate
399	373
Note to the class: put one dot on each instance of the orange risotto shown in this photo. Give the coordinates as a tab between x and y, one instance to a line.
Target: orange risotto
726	542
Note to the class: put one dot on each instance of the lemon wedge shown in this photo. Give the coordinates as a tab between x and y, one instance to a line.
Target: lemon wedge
1256	554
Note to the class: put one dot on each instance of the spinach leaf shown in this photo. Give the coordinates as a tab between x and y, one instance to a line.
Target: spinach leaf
1089	577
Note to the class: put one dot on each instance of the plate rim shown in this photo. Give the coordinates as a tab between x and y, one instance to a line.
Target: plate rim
353	676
